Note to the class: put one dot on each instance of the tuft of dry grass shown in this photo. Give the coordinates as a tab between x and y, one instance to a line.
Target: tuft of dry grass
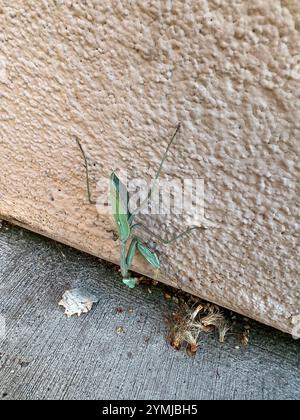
245	337
223	328
191	321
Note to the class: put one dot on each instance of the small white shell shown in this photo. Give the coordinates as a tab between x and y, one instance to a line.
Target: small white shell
77	302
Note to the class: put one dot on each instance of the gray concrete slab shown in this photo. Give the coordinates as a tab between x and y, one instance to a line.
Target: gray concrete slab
44	355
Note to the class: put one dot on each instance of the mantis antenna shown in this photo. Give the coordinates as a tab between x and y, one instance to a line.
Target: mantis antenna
86	172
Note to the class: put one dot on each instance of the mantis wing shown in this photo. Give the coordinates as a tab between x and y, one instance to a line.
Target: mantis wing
149	255
122	191
119	202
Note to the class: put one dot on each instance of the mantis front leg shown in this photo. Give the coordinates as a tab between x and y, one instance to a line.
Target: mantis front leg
126	262
123	262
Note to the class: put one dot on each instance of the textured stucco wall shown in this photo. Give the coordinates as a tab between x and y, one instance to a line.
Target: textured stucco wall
120	75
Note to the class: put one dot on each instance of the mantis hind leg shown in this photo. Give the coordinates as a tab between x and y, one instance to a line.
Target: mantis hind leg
164	241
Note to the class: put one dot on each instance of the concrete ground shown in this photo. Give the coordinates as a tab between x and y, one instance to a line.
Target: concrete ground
44	355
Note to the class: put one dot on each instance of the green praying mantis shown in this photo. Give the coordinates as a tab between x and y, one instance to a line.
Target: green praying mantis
126	226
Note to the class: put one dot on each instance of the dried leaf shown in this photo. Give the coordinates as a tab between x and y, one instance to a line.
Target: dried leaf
77	302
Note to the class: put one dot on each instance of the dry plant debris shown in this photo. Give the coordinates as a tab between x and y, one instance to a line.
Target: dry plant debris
77	302
120	330
191	321
245	337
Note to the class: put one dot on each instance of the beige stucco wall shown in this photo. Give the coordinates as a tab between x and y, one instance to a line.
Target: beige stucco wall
120	75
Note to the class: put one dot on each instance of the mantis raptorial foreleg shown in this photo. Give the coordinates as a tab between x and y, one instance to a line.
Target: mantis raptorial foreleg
126	262
131	252
136	245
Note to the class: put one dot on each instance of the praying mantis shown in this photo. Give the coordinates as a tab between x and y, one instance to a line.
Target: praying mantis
126	226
